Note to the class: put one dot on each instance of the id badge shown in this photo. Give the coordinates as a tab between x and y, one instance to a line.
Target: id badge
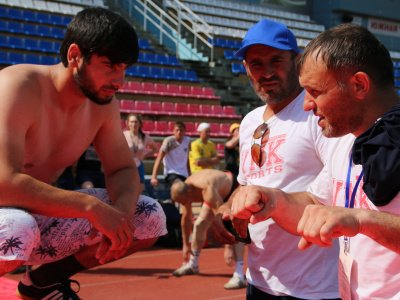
345	265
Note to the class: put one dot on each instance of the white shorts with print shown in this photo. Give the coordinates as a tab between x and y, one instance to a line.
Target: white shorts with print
38	239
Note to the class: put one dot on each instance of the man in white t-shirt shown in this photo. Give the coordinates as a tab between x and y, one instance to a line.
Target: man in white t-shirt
350	88
174	154
281	146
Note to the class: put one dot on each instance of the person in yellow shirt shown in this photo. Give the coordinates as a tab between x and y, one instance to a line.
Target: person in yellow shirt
203	153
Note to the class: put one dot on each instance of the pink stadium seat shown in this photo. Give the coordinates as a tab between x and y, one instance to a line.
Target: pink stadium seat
224	128
142	107
132	87
208	92
148	87
217	110
190	128
161	128
155	107
197	91
186	90
127	106
206	109
181	109
173	89
148	126
194	109
168	107
229	110
160	89
214	129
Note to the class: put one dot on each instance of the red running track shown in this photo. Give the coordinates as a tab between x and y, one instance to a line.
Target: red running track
146	275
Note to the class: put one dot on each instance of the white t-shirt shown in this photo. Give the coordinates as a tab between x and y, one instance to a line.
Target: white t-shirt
376	269
176	155
295	152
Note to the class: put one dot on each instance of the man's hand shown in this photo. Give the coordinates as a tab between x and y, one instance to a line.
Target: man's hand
154	181
321	224
117	231
253	203
229	255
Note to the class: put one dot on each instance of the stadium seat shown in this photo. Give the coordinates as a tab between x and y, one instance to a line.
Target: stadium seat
190	128
182	109
160	89
224	128
161	128
155	107
206	110
217	111
141	107
127	106
230	111
194	109
148	126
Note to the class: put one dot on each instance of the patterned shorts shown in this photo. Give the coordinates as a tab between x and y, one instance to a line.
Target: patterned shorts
38	239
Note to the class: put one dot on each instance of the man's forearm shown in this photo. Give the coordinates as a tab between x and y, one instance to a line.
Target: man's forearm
23	191
123	189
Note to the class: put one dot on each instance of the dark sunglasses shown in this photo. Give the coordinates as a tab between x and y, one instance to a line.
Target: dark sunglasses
257	154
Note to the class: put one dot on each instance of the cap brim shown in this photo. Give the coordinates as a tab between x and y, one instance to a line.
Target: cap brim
241	53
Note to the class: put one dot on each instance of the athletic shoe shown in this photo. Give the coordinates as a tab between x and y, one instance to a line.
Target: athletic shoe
186	270
26	290
235	283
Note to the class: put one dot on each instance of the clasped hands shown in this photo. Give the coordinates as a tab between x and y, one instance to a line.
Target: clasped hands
317	225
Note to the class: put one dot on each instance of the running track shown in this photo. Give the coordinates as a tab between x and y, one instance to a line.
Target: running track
146	275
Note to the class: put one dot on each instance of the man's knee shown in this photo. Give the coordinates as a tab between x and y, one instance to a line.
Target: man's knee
149	220
19	234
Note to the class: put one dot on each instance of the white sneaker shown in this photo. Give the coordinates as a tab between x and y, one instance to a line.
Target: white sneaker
186	269
235	283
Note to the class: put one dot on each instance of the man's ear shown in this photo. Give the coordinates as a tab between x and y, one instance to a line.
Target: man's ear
74	55
361	84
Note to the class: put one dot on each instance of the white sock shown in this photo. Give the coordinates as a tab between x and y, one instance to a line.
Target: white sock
239	269
194	258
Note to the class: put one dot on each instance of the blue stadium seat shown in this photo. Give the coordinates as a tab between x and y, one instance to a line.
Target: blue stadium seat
3	41
15	14
3	12
16	58
43	18
15	27
238	68
44	31
16	42
57	32
29	16
46	46
29	29
32	44
32	59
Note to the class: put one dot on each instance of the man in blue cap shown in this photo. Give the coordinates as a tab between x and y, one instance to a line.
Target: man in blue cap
282	147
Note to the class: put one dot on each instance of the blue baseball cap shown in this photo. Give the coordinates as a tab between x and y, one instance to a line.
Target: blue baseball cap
268	33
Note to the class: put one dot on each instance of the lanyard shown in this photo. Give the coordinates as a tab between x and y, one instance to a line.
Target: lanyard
350	201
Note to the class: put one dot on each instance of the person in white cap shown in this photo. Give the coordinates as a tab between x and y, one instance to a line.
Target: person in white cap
203	153
282	147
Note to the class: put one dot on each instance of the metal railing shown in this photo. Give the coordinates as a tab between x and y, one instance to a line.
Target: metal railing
170	27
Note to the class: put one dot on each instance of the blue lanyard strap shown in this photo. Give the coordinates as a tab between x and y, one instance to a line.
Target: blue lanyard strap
350	201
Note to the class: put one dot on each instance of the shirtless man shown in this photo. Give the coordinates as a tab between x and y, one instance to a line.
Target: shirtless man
212	188
49	115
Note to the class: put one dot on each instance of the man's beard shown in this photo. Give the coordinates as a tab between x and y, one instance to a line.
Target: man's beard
85	83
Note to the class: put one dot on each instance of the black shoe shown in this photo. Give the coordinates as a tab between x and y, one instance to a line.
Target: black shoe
26	290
